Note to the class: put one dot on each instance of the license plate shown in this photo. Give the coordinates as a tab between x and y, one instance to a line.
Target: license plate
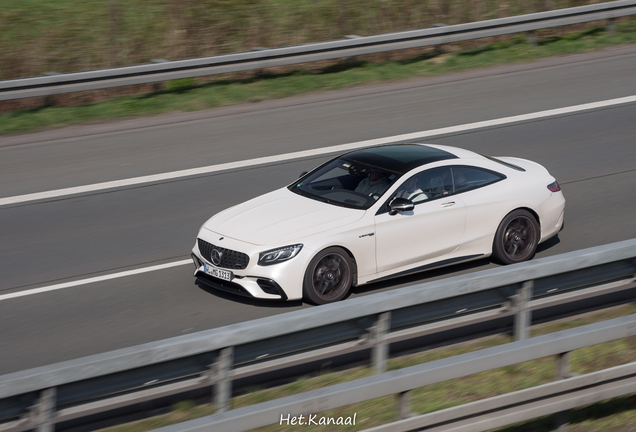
218	273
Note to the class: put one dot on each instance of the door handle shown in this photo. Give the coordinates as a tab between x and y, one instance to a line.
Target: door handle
448	204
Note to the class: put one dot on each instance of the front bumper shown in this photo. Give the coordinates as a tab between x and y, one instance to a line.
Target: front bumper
282	281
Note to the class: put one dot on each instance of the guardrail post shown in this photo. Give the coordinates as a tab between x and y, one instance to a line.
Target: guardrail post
439	49
223	379
531	37
45	411
563	372
380	351
522	310
611	26
404	405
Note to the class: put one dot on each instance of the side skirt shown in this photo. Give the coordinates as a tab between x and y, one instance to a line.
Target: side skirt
428	267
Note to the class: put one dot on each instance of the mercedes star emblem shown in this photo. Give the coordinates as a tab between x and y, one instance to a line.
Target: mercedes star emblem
216	257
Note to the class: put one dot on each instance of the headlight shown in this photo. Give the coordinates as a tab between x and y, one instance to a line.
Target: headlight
277	255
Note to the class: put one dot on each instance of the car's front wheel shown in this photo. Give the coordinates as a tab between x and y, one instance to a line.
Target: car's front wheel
516	238
328	276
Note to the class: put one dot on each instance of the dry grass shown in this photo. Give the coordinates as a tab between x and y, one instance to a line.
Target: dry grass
41	36
222	90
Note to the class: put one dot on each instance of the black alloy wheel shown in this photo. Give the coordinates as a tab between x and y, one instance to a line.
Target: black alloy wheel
516	238
328	276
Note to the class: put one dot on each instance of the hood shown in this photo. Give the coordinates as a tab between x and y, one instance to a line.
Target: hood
280	217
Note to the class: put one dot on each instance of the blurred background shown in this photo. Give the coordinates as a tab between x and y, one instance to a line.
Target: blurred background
42	36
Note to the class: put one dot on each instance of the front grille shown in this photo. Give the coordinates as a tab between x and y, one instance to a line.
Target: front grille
229	259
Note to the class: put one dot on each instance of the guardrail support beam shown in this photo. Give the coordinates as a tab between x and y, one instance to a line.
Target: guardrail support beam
223	379
380	351
563	372
45	410
611	26
521	305
404	405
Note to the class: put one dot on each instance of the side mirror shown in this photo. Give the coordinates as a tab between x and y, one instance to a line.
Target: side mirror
302	174
399	205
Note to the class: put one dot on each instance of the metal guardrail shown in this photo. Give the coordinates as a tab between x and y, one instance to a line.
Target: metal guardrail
265	58
620	381
215	357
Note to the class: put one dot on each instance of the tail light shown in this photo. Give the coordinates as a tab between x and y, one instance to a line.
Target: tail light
554	187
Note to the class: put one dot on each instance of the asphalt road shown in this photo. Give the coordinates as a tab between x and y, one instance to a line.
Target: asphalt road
51	241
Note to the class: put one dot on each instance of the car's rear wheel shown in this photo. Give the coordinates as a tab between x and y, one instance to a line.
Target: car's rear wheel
516	238
328	276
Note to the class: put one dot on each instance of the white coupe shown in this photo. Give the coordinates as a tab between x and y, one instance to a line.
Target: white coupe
378	213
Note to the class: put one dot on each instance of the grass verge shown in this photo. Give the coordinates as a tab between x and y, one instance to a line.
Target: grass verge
609	416
186	95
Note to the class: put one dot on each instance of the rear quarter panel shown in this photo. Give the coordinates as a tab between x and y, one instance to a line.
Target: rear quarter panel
487	206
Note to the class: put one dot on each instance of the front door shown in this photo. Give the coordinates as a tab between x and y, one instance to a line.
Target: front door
433	229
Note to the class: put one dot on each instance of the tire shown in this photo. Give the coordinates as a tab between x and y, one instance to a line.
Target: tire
328	276
517	238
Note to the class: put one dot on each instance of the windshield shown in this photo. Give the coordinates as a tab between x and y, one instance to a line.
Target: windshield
346	183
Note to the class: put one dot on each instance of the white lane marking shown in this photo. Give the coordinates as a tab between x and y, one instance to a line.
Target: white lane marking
310	153
94	279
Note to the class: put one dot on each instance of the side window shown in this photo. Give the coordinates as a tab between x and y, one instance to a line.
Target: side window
436	183
410	189
472	178
425	186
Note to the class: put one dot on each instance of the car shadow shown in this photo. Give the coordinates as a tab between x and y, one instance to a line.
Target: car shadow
548	244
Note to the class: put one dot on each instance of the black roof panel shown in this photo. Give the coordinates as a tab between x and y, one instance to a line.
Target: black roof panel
398	158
